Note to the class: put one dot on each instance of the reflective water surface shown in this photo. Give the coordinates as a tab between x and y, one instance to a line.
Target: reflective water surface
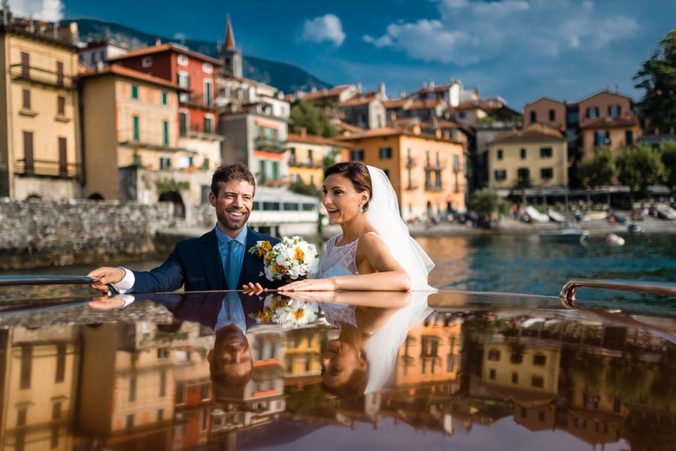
448	370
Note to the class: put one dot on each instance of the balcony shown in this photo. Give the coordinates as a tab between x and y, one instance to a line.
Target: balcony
294	163
40	76
197	101
199	134
269	144
411	163
47	168
152	146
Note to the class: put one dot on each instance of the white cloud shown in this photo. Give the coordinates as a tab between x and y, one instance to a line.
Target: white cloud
468	32
324	28
49	10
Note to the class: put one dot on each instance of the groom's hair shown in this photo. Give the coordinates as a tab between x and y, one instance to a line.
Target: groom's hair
355	172
229	172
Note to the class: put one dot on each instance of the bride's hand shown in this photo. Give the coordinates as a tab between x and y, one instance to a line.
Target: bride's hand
310	285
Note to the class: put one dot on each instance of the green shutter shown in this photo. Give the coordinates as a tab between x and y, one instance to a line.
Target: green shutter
165	132
134	91
137	132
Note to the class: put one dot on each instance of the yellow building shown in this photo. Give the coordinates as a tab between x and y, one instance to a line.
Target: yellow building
426	171
38	376
39	121
536	156
306	155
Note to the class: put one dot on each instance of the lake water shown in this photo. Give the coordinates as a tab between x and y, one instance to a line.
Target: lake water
518	263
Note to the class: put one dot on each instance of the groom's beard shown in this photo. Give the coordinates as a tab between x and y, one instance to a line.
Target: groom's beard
233	223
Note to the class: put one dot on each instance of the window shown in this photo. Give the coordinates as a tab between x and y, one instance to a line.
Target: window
539	360
385	153
163	383
275	170
515	378
162	353
207	68
26	99
183	122
552	115
494	355
537	382
26	367
165	133
546	173
205	392
182	60
60	363
136	130
25	65
134	92
516	357
165	163
310	156
592	112
523	153
132	388
63	156
629	138
160	415
614	110
165	98
357	155
208	92
56	410
290	206
130	421
601	138
208	124
500	174
533	116
61	105
59	73
21	414
184	80
270	206
147	61
500	154
541	416
545	152
491	374
29	163
308	207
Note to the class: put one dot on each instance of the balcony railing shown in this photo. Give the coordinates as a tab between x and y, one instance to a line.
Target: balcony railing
39	75
197	101
304	163
47	168
270	145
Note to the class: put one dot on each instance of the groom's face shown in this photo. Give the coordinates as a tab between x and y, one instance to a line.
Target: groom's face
233	205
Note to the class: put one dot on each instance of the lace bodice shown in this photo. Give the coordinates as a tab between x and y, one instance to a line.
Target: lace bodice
344	256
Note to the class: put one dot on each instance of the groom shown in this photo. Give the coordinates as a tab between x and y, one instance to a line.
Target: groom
218	260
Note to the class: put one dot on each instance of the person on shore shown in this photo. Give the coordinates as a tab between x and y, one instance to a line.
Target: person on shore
218	260
374	250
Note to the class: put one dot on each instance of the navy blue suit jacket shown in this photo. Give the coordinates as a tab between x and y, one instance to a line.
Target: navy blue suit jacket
196	264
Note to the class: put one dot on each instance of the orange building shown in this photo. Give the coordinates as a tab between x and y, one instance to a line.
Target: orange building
426	171
546	111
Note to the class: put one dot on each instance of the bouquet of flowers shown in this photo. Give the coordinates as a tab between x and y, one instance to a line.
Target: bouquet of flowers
291	258
286	312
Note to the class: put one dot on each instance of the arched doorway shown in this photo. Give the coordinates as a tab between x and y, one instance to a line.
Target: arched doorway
33	197
176	199
95	196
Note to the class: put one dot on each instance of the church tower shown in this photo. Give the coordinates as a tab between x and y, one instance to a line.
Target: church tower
232	58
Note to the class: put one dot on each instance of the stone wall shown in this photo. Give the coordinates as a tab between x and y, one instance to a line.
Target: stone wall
53	233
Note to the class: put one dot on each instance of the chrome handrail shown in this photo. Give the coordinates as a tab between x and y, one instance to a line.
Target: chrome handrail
568	291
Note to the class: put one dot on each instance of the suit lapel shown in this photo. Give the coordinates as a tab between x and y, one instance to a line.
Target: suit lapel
251	263
211	259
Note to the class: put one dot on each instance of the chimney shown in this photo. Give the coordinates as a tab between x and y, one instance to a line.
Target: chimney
382	91
416	129
359	88
437	132
402	93
303	132
158	42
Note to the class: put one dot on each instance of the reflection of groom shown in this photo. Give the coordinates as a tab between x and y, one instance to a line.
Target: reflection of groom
218	260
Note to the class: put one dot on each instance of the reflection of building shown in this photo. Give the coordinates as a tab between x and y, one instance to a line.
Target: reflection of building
303	356
38	372
127	382
39	118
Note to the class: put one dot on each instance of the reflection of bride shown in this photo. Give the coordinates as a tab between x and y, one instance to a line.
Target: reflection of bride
375	250
361	359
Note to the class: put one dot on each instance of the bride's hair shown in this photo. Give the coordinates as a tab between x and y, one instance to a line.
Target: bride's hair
355	172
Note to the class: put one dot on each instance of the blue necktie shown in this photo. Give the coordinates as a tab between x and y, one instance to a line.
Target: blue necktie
233	266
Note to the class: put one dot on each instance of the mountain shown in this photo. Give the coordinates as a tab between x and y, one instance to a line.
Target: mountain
284	76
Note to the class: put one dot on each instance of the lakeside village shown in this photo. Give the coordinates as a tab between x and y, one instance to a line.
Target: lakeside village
101	121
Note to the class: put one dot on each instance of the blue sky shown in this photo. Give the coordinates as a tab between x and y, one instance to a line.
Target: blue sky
518	49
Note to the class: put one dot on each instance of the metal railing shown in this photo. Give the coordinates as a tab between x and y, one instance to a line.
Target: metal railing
569	290
40	75
47	168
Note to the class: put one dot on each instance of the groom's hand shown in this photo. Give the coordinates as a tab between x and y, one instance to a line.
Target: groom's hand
253	288
104	275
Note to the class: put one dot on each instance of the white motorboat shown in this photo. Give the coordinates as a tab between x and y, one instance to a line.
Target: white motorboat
568	234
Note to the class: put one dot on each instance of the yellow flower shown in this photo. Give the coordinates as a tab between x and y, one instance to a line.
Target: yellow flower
264	248
299	255
298	314
268	257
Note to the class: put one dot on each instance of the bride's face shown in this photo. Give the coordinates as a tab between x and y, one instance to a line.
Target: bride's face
341	199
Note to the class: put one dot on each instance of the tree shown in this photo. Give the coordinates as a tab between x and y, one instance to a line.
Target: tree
598	169
669	162
657	77
638	167
484	202
306	115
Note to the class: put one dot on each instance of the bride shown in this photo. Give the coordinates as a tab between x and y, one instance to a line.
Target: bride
374	250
